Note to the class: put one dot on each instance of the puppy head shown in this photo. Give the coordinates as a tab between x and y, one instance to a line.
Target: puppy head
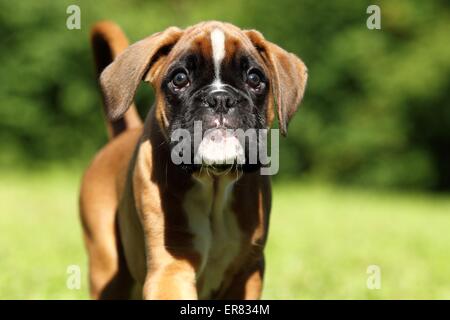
212	73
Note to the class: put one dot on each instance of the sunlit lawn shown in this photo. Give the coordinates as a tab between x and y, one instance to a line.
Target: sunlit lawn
322	240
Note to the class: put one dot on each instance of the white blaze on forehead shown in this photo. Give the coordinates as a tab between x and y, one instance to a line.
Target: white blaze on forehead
218	52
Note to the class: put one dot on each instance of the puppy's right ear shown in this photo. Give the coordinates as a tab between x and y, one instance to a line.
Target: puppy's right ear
119	81
289	75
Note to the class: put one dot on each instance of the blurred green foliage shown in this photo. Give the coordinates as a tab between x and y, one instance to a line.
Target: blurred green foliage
376	110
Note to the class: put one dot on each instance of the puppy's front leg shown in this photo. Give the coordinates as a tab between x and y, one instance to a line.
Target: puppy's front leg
247	284
172	281
170	259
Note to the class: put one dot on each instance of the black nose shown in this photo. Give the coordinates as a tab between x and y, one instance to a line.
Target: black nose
221	101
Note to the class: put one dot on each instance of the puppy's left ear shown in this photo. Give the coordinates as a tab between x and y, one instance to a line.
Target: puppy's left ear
288	74
140	61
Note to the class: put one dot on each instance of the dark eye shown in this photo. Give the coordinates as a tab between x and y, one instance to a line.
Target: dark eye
180	80
255	80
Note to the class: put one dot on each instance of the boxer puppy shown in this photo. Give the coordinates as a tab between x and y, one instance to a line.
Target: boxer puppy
158	229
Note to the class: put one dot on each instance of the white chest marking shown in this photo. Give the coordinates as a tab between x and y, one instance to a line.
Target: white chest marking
218	52
217	236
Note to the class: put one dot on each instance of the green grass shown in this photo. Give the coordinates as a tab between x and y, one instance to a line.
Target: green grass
322	240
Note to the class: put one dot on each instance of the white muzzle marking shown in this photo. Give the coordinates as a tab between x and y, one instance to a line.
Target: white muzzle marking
220	146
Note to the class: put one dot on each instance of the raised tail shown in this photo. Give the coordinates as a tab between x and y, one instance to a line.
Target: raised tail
108	41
